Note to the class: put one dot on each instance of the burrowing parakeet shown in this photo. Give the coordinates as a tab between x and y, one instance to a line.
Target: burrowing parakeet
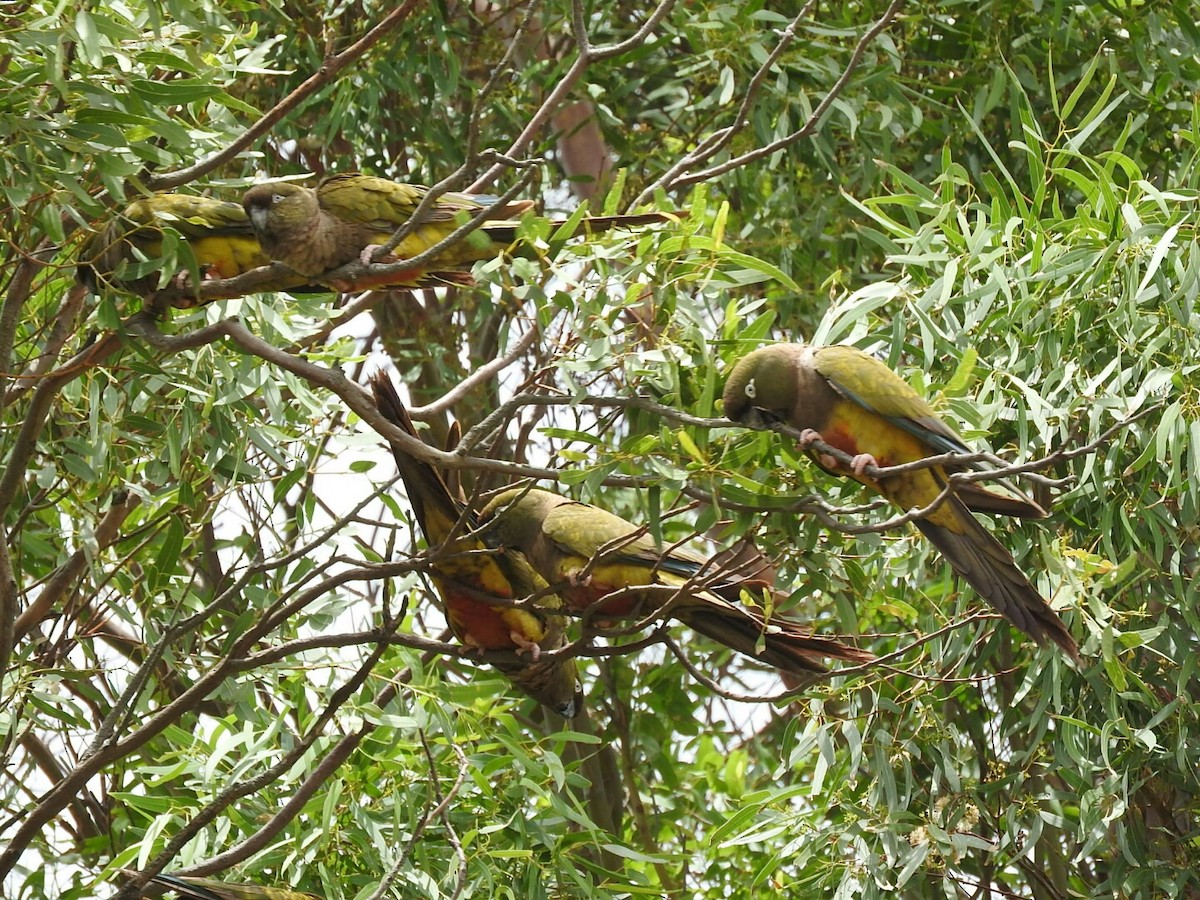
855	403
218	234
189	887
588	554
466	576
346	217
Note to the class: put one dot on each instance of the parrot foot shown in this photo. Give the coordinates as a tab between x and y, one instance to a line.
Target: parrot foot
861	461
575	579
369	251
524	643
183	278
807	437
472	645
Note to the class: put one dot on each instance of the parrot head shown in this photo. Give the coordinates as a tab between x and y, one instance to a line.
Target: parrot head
280	208
761	389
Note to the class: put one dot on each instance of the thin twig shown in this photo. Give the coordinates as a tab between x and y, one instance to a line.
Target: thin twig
585	56
720	139
323	76
810	124
243	789
342	751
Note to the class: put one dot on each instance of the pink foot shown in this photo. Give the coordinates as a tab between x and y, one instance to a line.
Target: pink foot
807	436
369	251
861	461
523	643
473	646
183	278
575	579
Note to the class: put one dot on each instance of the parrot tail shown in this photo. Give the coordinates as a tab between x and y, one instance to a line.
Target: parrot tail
189	888
186	890
989	568
432	500
506	232
784	645
980	499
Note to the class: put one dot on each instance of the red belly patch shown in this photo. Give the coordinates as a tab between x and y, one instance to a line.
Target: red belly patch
478	624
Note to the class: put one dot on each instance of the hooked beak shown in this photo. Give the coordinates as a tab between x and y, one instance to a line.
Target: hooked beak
757	417
572	707
258	218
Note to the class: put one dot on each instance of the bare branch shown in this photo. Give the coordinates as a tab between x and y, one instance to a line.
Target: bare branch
720	139
335	758
65	325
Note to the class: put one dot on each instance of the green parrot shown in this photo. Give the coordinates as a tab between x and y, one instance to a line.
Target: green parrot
467	574
190	888
218	235
853	402
347	216
593	553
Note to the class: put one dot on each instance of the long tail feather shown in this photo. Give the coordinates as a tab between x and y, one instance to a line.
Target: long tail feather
506	232
989	568
785	645
427	489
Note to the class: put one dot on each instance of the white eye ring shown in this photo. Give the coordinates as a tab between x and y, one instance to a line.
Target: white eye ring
751	390
276	198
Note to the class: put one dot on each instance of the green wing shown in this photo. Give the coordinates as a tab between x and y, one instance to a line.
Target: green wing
191	216
862	379
582	530
211	889
385	204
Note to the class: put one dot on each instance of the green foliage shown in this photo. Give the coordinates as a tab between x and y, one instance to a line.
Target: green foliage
223	644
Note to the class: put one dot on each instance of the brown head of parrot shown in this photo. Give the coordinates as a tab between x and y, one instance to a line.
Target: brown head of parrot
292	229
592	556
467	577
856	403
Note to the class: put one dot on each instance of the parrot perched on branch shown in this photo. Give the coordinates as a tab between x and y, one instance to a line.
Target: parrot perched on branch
218	235
854	402
347	216
588	554
190	888
467	573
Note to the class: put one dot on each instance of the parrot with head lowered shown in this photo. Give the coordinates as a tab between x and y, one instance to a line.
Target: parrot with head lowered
218	235
588	554
854	402
466	574
188	887
346	217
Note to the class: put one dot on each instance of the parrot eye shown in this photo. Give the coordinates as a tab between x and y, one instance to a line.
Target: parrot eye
751	390
277	198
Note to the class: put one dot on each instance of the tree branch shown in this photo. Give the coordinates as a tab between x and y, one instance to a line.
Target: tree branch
280	110
673	179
